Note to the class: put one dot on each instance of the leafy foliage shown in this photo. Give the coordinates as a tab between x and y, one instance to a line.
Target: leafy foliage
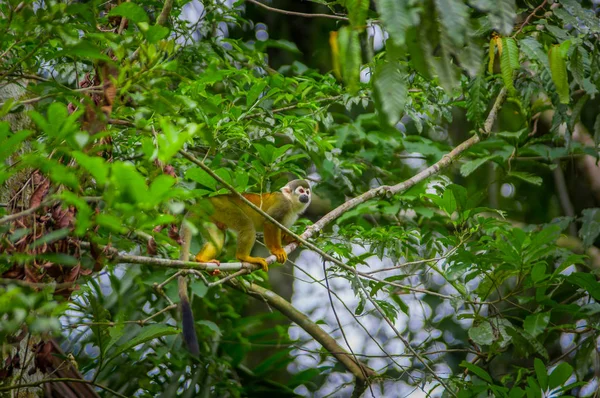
484	266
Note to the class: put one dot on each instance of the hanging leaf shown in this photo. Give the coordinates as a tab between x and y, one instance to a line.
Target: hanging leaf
477	99
357	12
558	68
396	18
131	11
469	167
492	54
453	16
470	57
503	15
350	57
446	72
414	44
591	226
335	54
509	62
390	91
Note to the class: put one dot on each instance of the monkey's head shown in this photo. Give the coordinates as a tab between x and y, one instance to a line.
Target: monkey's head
298	192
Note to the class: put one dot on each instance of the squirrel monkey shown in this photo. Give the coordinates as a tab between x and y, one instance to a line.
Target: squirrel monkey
230	212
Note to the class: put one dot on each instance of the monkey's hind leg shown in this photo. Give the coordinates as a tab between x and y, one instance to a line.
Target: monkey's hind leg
214	238
246	237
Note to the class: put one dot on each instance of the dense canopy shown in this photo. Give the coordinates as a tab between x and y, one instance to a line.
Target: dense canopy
451	147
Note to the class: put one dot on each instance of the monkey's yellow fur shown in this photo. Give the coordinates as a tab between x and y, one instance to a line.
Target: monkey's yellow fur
230	212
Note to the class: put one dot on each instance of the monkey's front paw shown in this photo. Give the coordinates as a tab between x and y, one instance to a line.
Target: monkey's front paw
255	260
281	255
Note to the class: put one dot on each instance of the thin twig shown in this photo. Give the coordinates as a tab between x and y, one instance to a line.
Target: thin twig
228	277
299	14
528	19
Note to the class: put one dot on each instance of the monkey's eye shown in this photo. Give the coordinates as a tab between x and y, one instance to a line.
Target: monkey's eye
301	190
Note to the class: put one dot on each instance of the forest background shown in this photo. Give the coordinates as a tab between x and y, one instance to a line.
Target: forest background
452	148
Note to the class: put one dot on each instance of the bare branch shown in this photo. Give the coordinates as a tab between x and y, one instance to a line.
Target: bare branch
299	14
358	369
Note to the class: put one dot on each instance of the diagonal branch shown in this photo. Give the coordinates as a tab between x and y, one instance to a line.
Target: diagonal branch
387	190
358	369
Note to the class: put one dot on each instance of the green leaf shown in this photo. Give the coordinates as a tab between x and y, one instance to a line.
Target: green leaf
446	71
470	166
479	372
357	12
350	57
560	375
86	50
254	92
396	18
454	16
509	62
541	373
503	15
199	288
131	11
470	57
146	334
538	272
156	33
534	51
95	165
558	68
527	177
10	142
477	99
590	228
390	91
201	177
51	237
212	326
587	282
536	324
586	15
482	334
417	52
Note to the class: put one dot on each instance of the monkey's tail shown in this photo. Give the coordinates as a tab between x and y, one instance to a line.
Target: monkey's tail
187	318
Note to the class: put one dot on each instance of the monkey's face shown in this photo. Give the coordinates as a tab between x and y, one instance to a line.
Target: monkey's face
303	195
298	192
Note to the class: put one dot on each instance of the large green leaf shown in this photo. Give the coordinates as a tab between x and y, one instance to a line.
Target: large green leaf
590	229
396	18
503	15
146	334
454	16
390	90
131	11
350	57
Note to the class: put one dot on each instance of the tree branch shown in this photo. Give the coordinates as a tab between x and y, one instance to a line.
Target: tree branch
298	14
164	14
357	368
403	186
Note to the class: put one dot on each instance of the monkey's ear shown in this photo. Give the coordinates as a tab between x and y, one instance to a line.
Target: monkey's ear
287	190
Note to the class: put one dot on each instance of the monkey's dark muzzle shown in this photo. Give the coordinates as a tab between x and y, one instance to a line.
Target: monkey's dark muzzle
304	198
